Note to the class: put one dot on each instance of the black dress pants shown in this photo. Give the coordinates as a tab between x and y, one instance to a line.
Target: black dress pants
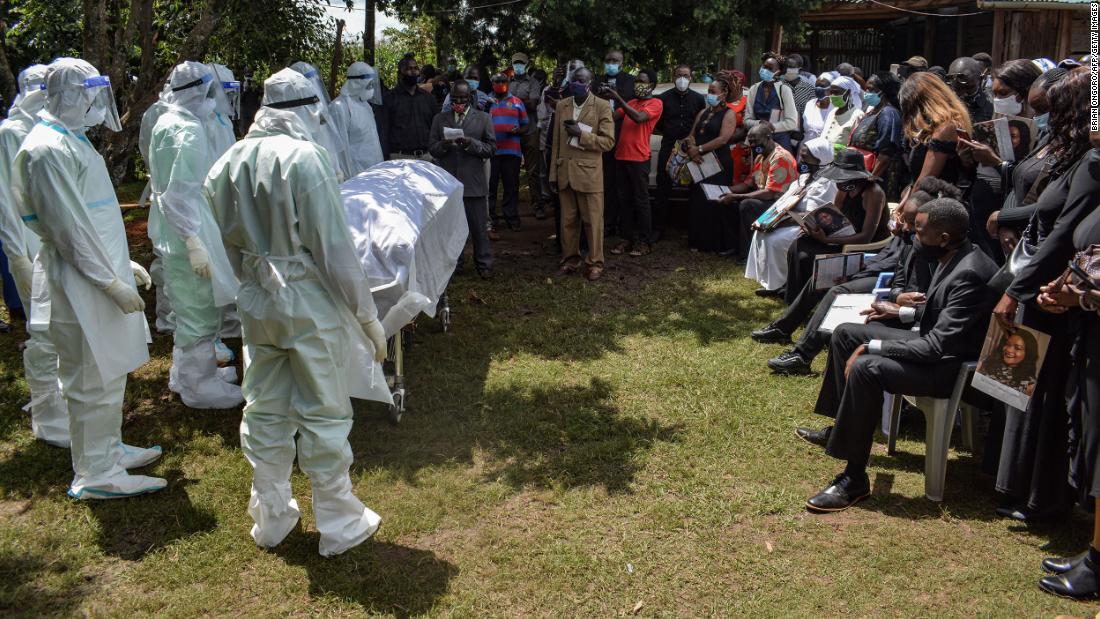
635	214
810	308
856	402
800	263
505	169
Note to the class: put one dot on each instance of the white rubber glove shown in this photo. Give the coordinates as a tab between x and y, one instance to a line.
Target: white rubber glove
196	253
141	276
126	297
22	271
377	336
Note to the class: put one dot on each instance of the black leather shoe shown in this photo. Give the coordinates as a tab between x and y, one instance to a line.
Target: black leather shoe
768	294
1061	565
790	363
1080	583
843	493
770	335
1027	516
815	437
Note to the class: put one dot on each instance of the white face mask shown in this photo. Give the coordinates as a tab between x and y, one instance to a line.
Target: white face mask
682	83
1007	105
792	73
367	94
95	116
206	108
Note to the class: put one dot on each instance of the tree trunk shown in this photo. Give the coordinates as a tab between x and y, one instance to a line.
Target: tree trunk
95	32
337	59
8	87
368	34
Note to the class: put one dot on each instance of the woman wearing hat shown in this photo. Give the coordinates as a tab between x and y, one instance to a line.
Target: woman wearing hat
861	199
879	135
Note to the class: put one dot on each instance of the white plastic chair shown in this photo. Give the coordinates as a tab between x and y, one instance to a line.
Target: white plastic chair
939	417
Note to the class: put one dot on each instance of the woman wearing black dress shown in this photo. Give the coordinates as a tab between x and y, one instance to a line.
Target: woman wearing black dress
714	128
1033	466
1077	577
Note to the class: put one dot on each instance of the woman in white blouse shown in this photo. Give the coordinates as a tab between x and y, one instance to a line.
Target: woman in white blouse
846	97
813	117
767	262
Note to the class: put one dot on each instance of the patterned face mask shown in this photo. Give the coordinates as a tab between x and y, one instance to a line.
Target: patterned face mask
642	90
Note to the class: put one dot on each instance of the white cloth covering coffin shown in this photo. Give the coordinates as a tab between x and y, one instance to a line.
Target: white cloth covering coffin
409	227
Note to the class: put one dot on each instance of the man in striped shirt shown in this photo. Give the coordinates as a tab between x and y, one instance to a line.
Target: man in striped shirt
509	123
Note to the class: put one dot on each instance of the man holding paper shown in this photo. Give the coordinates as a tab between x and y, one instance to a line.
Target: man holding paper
866	361
461	140
584	131
773	170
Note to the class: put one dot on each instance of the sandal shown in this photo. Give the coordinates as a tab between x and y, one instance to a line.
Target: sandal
621	248
641	249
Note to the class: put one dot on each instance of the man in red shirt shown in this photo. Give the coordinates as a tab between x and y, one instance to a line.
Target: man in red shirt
632	157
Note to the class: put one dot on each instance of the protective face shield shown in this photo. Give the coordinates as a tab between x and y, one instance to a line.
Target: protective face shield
230	87
291	91
311	73
79	96
362	82
194	87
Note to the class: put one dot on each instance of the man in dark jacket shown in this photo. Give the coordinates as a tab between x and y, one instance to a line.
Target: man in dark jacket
866	361
615	78
681	106
465	156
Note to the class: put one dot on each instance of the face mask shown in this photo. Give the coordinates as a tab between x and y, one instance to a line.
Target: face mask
836	100
520	68
643	91
459	108
766	75
368	93
500	88
930	253
712	100
408	80
612	68
1010	106
95	116
872	98
682	84
579	90
820	92
474	84
758	149
1041	121
792	74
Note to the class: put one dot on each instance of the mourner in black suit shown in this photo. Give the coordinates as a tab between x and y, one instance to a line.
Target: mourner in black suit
867	360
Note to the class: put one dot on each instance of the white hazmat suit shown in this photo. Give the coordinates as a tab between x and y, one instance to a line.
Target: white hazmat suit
49	416
353	119
328	135
303	301
84	288
198	278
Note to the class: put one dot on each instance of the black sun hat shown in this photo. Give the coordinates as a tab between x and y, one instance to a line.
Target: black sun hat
847	166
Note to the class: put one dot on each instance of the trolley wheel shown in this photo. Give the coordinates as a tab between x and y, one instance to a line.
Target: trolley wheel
397	409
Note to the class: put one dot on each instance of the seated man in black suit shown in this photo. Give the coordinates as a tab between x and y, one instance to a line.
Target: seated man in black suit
867	360
812	306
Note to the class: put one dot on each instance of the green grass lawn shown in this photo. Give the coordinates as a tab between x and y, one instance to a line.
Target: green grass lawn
570	450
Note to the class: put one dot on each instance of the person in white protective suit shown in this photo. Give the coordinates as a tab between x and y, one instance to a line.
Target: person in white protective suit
166	319
49	416
328	135
303	293
220	128
86	295
197	274
354	119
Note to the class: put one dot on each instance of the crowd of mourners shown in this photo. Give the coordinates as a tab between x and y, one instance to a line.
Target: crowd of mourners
776	172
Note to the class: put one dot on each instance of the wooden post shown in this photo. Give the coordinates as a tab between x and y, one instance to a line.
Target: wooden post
1065	32
368	34
337	59
960	26
777	39
813	60
998	36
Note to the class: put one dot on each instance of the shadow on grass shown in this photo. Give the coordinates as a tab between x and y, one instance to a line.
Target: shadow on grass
380	577
132	528
22	593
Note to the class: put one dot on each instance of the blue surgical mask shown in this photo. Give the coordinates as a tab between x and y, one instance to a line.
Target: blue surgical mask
519	68
820	92
707	79
767	75
712	100
474	84
612	68
872	98
1041	121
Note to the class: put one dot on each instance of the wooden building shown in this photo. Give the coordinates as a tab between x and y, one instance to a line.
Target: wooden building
873	34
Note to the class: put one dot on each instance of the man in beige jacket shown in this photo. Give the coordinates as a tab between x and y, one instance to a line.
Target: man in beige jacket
584	131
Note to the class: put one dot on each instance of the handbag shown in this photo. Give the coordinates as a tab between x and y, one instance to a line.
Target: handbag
1021	256
1084	273
676	168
